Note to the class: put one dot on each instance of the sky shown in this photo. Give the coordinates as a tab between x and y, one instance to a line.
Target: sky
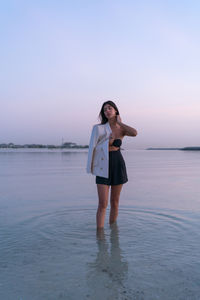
60	60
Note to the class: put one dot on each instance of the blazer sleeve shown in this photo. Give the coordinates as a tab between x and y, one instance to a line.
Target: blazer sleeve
92	145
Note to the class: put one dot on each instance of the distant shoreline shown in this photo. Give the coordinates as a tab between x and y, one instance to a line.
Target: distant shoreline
183	149
67	145
70	145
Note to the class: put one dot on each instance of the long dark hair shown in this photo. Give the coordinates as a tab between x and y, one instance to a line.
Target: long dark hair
102	116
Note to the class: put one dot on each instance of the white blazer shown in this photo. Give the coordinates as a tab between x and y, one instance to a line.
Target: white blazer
98	157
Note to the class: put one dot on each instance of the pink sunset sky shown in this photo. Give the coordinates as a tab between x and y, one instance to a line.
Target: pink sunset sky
60	60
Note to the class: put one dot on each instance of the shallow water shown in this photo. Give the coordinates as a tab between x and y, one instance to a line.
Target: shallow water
48	241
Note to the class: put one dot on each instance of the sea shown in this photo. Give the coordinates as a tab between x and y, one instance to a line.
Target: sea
50	248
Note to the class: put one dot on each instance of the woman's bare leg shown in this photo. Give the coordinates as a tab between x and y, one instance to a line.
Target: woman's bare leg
103	191
114	202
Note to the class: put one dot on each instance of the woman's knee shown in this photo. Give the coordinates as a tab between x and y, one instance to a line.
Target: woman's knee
114	204
103	205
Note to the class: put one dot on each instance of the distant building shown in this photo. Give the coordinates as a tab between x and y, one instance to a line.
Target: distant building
68	145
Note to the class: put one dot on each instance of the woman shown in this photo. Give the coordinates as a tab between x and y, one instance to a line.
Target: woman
105	159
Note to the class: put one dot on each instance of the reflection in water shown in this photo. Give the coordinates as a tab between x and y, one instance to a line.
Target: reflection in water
108	272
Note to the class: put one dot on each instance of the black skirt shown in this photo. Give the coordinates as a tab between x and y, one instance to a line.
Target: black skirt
117	170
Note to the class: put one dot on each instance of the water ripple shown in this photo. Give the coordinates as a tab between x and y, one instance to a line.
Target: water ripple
144	254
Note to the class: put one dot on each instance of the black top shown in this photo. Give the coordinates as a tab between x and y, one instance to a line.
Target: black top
117	142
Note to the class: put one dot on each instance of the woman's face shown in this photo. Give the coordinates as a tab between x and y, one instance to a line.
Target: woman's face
109	111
